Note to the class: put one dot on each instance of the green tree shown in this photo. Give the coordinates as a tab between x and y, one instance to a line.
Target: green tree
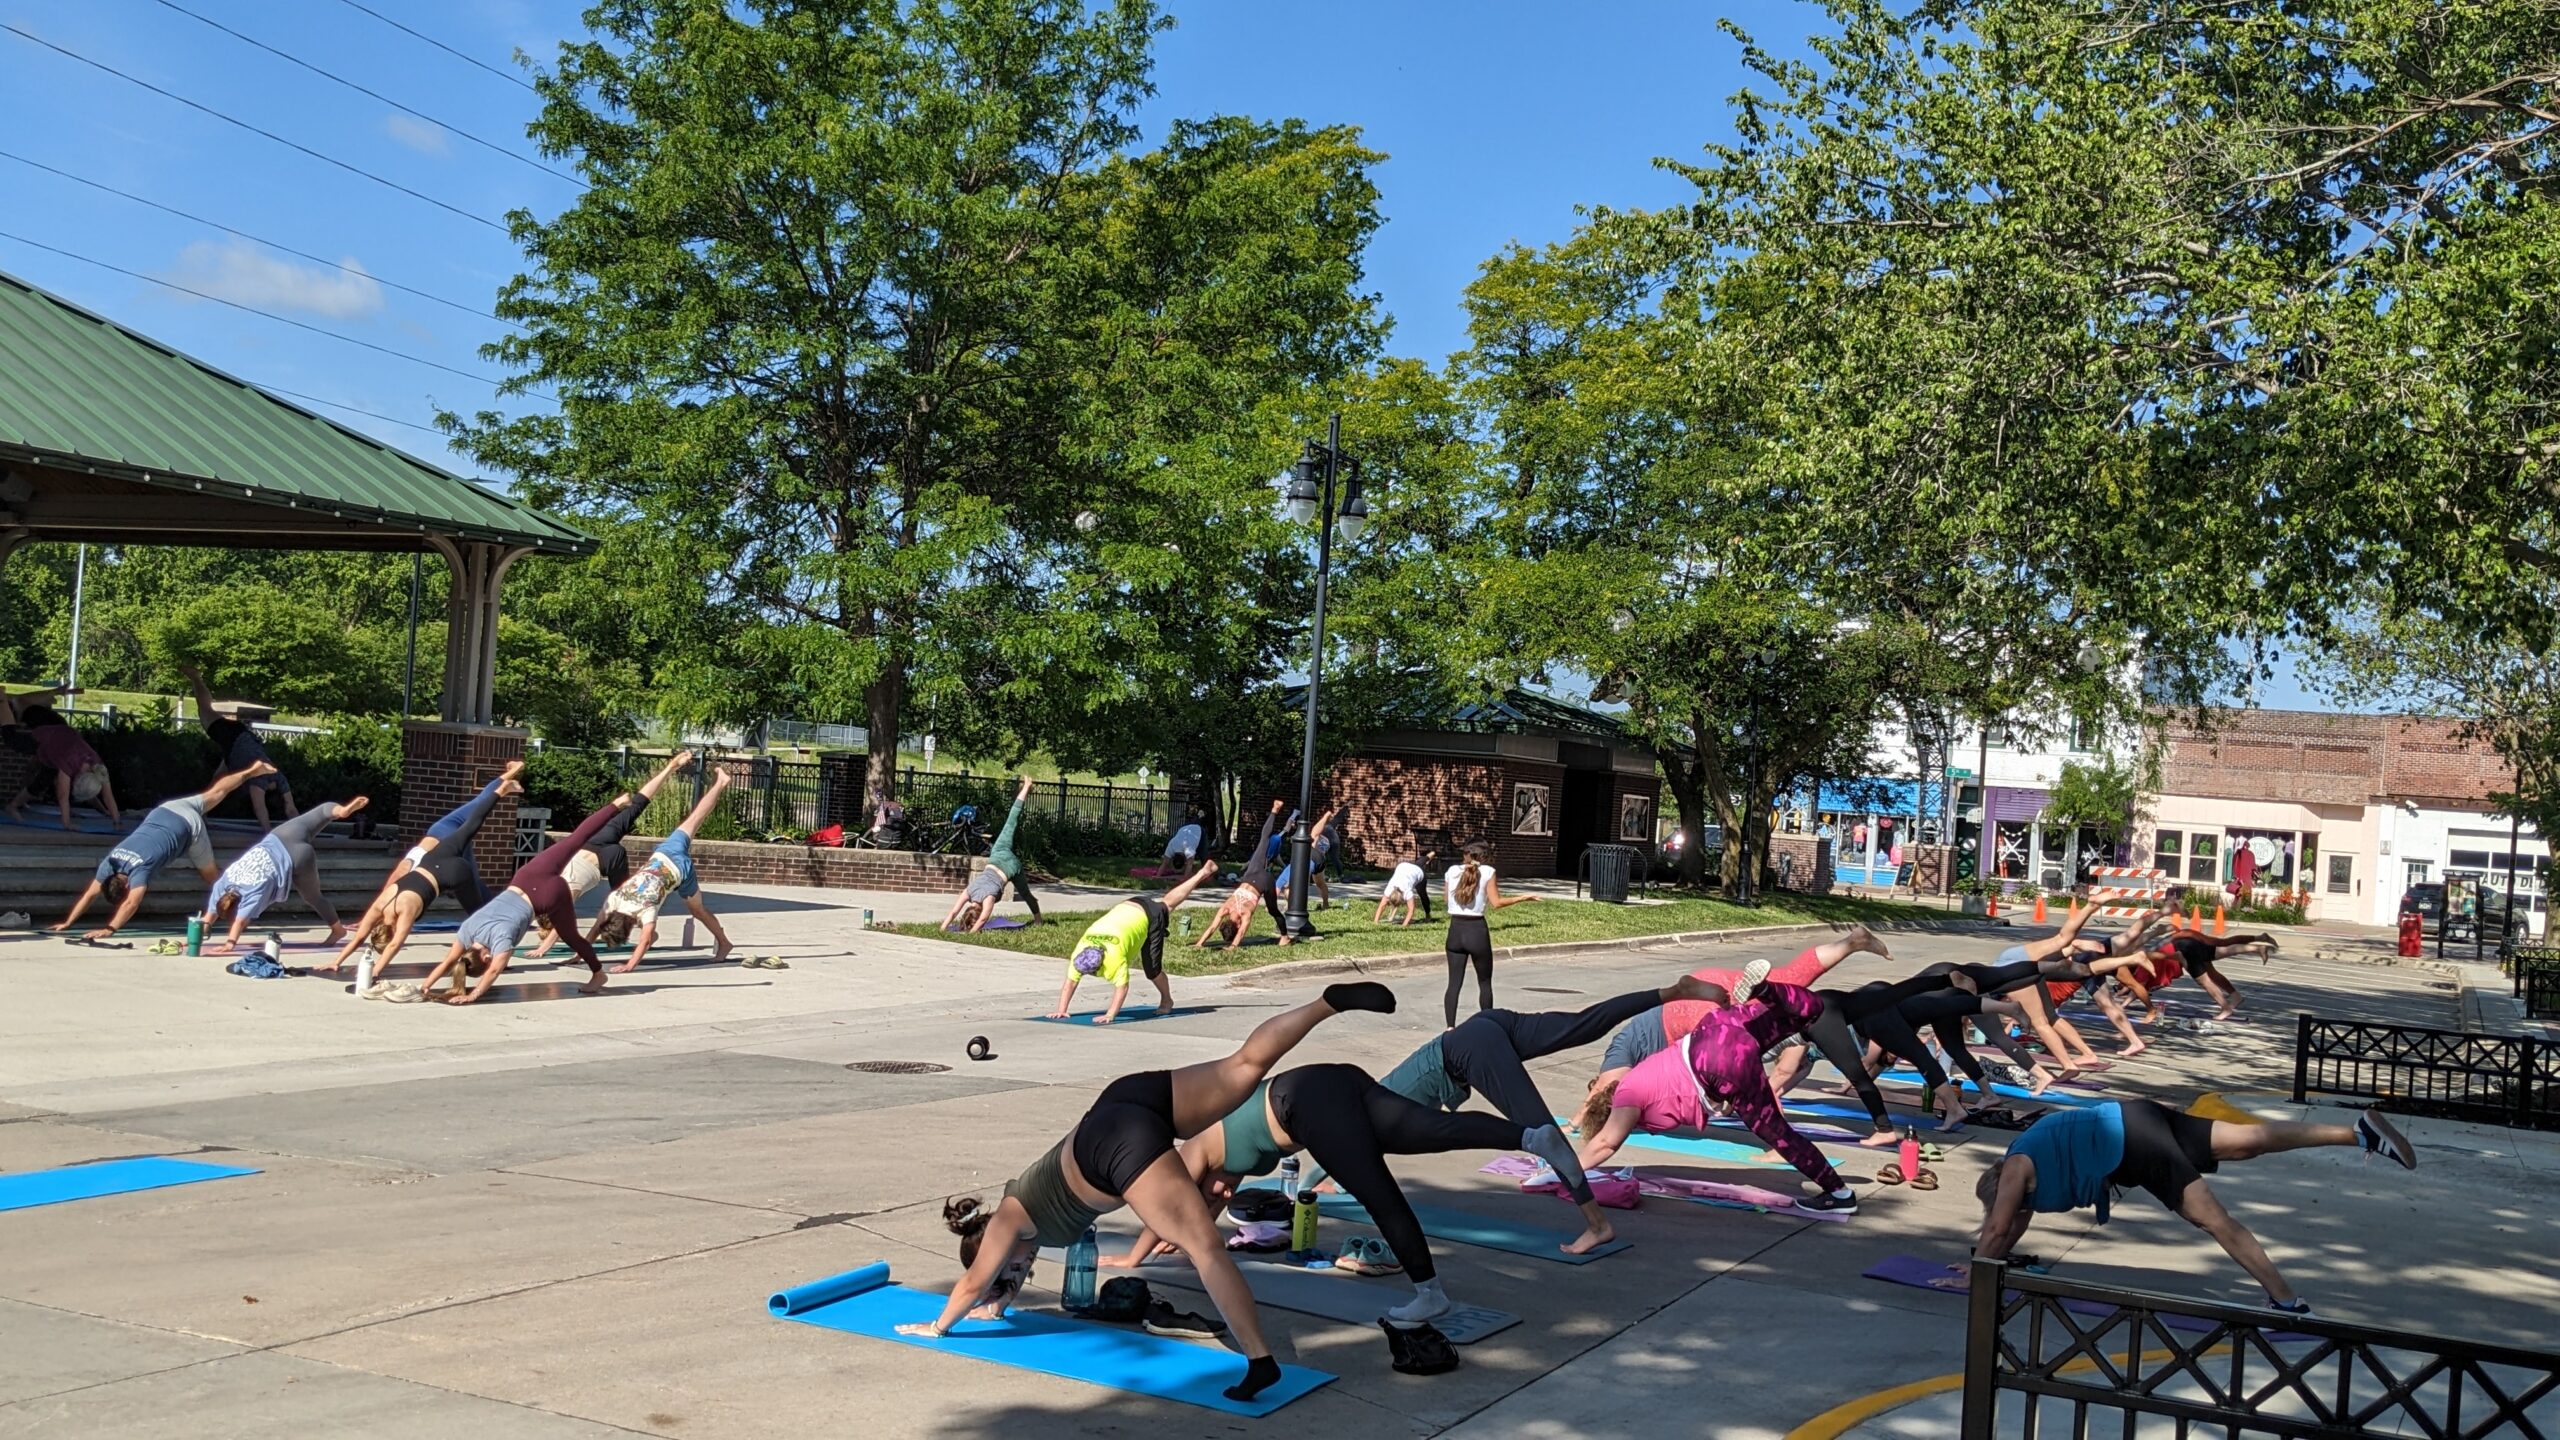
2107	795
868	301
281	651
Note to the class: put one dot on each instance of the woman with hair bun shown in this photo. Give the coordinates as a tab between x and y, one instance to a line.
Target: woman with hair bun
1473	892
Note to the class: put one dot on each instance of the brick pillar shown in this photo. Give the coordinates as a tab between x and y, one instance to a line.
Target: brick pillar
443	764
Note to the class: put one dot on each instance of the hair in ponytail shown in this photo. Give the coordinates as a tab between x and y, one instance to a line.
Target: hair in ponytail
1471	878
967	1216
1595	1110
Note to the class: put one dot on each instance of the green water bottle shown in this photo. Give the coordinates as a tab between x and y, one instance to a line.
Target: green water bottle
195	934
1302	1225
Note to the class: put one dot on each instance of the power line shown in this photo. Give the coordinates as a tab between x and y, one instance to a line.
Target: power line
489	380
330	75
430	39
34	39
245	235
353	410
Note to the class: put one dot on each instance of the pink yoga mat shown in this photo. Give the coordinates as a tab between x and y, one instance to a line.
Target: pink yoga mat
1668	1187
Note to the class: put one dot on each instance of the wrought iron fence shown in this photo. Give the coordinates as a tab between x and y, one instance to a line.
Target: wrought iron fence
1137	811
2054	1358
2501	1079
2537	977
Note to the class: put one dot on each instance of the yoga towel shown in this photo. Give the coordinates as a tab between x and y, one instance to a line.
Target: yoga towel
1535	1176
30	1188
2053	1096
864	1302
1130	1016
1325	1293
1441	1223
1006	922
1811	1130
1922	1274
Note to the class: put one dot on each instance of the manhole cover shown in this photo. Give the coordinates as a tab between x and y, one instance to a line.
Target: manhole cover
897	1067
1549	990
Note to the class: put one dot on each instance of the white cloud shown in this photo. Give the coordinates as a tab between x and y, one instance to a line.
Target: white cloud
422	136
236	271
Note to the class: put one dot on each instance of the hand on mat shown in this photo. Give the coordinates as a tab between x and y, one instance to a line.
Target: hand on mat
992	1310
219	947
923	1332
1102	1019
462	998
94	935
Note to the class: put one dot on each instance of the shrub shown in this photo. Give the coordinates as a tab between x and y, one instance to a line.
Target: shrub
571	784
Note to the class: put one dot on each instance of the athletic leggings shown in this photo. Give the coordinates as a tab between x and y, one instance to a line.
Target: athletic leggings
1724	1054
1682	1016
613	863
1897	1030
2017	975
456	829
295	836
538	879
1349	1123
1831	1033
1486	1055
1469	942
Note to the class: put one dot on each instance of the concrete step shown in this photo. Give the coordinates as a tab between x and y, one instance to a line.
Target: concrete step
43	871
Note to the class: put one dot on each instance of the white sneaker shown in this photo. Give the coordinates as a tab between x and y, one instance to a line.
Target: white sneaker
1753	975
1425	1305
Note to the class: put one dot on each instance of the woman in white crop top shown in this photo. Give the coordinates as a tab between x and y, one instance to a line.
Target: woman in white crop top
1472	894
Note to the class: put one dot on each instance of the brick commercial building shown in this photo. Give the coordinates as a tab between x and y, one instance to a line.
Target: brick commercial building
2353	809
1537	779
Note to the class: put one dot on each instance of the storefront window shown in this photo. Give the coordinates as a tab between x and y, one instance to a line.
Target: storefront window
2342	874
2169	852
2204	858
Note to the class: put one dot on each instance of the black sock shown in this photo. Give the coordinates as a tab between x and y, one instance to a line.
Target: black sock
1260	1374
1361	995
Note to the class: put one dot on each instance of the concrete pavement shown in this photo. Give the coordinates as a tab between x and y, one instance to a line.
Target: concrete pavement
558	1216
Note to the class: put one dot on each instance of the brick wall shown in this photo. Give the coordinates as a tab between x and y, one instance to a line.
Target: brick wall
1394	798
441	766
1526	854
2289	755
2432	759
1810	876
738	862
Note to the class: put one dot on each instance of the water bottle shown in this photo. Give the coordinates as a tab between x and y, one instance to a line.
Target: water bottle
1289	1178
1909	1154
273	950
1302	1226
195	934
364	969
688	932
1082	1260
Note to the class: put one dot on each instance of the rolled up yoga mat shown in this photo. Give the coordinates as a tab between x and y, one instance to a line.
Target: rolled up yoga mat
865	1302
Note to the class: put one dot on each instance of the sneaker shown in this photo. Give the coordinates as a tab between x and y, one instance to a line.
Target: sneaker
1844	1203
1367	1255
1163	1319
404	993
2298	1306
374	991
1753	975
2378	1136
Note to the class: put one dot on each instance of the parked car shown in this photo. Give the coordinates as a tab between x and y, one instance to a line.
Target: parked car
2490	921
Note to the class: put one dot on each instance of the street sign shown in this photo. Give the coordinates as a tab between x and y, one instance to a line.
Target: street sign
1956	774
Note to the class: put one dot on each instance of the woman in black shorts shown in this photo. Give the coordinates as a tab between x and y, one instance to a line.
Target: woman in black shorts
1122	1153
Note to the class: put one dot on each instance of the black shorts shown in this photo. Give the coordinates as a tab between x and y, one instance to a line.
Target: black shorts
2199	958
2165	1150
1128	1129
1151	951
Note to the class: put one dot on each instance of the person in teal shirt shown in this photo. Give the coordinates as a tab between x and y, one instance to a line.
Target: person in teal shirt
977	904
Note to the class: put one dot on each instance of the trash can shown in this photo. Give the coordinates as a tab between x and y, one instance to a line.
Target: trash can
1612	867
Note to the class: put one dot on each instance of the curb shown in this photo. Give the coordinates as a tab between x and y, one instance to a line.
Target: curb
1286	970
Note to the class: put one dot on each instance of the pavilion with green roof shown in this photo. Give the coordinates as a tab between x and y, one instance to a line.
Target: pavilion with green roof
110	437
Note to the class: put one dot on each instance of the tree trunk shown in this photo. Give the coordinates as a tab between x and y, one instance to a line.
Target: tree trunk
1689	797
881	703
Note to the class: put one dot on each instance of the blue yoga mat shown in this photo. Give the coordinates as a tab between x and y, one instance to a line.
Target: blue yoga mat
1706	1148
1831	1109
1459	1226
2053	1095
1131	1016
864	1302
31	1188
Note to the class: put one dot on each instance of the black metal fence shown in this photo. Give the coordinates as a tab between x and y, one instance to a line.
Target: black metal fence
2499	1079
2054	1358
2537	977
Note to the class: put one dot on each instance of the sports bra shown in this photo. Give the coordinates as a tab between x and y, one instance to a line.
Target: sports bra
1247	1130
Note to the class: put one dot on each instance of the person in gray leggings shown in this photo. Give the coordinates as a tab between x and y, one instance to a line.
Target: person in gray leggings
283	859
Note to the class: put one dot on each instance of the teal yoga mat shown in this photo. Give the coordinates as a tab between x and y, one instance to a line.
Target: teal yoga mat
2053	1095
1135	1014
31	1188
1441	1223
1707	1148
864	1302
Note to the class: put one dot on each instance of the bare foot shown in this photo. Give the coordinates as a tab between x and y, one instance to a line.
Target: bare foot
1690	987
1861	938
338	934
722	950
1881	1140
2039	1080
259	768
594	985
513	770
2137	1047
1952	1122
1591	1238
1165	1009
347	808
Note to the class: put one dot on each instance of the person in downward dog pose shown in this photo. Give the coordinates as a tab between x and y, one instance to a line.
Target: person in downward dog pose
2196	955
283	859
1320	843
1182	849
1404	883
495	930
1131	930
172	831
1719	1062
603	860
241	750
1235	914
1349	1124
2021	979
78	775
439	864
1122	1153
1489	1054
977	903
1473	893
1895	1031
1661	1027
2074	1158
667	871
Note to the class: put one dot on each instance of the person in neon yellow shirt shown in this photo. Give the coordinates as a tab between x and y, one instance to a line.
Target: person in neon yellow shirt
1130	930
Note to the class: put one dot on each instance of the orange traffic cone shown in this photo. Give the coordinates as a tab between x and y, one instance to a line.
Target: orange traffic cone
2039	908
2195	919
1991	904
2217	917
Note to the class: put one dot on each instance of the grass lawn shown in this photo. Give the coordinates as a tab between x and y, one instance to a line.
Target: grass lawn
1346	931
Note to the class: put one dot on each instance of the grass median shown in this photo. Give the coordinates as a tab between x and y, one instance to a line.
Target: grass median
1345	932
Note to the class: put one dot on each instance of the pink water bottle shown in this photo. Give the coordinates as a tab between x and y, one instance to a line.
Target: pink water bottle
1909	1154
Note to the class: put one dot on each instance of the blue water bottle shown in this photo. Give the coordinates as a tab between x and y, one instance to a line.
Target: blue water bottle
1083	1259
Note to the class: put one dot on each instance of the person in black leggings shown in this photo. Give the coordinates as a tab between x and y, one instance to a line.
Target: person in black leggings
1832	1032
1896	1031
1122	1153
1350	1124
1473	893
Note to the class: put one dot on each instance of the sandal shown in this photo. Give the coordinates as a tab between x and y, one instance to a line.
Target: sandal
1891	1174
1367	1255
1927	1179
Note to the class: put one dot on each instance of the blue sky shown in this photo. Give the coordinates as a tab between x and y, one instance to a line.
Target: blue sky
1499	118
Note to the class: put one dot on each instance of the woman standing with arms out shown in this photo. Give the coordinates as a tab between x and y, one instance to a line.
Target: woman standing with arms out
977	903
1473	893
439	864
1122	1153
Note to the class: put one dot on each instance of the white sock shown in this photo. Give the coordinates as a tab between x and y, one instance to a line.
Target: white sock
1429	1302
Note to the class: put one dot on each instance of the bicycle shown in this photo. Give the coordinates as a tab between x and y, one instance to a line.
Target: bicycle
960	835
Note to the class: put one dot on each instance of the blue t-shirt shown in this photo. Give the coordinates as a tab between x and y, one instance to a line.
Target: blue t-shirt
170	832
2074	1152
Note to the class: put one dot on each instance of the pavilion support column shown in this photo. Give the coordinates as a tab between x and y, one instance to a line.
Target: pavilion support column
445	762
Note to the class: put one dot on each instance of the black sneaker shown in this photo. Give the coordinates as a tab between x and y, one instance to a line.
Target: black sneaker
2378	1136
1163	1319
1844	1203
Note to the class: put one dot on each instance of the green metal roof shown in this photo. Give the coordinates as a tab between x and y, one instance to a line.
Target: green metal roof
80	392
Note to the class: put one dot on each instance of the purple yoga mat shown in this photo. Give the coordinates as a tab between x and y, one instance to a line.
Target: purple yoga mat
1925	1274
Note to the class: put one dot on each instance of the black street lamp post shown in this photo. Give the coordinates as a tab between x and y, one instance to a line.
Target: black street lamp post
1308	489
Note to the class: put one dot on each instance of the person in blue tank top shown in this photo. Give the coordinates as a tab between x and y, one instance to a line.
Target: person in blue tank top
2081	1159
